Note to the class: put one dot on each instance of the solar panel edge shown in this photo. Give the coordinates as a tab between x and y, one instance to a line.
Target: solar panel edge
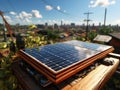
21	52
82	42
77	68
58	76
49	75
50	67
98	57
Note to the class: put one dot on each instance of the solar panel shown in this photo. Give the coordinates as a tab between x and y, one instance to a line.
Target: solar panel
57	60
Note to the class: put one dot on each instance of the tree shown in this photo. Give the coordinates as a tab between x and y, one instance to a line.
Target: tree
92	35
105	30
32	26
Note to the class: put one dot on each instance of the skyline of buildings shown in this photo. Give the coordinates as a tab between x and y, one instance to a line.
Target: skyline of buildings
52	11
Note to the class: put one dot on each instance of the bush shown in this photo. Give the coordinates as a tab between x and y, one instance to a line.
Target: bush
7	79
105	30
92	35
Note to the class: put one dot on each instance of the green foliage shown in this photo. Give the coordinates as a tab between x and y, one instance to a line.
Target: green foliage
113	83
32	26
52	35
92	35
81	38
35	41
105	30
7	79
3	45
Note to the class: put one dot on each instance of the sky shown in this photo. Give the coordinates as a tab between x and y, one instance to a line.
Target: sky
54	11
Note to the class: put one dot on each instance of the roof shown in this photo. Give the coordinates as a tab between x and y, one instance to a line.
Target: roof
102	38
115	35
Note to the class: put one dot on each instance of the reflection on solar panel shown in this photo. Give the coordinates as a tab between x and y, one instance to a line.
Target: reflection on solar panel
62	60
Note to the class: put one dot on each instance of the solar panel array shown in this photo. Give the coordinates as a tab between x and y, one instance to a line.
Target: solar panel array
61	60
63	55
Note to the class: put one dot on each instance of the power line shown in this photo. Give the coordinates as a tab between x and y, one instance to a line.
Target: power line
68	14
54	7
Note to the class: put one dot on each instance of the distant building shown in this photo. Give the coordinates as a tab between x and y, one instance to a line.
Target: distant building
99	24
61	23
72	25
46	24
40	26
55	26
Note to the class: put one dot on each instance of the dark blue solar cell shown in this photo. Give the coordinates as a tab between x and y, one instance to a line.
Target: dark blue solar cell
56	68
61	55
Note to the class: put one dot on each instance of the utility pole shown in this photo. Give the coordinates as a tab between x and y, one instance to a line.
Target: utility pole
87	20
105	17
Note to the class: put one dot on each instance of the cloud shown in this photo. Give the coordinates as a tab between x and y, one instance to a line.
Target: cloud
33	13
36	14
58	8
48	7
19	16
102	3
26	17
25	14
12	13
27	20
8	18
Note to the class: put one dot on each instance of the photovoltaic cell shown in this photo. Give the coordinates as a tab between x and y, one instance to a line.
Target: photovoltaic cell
63	55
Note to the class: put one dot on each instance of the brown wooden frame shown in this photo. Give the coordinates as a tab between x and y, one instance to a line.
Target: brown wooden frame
66	73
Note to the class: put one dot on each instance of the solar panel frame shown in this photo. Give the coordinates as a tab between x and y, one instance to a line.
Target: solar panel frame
57	76
46	60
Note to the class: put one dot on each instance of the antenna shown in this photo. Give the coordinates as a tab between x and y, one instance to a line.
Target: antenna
105	16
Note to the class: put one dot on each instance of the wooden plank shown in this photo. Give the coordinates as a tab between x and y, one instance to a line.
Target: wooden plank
64	86
97	78
114	55
24	80
92	81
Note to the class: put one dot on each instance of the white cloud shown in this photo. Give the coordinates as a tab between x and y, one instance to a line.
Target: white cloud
36	14
102	3
18	17
58	8
27	20
12	13
8	18
113	1
48	7
91	2
25	14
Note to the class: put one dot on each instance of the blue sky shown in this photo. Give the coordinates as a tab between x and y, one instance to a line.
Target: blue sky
55	11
